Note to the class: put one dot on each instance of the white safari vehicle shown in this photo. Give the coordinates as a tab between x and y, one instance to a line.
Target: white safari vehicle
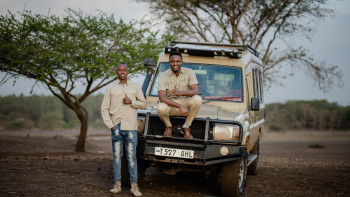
229	125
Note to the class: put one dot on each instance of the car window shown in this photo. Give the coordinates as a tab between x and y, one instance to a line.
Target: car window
216	82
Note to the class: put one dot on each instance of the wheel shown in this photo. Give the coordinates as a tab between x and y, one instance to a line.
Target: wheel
232	178
253	168
141	167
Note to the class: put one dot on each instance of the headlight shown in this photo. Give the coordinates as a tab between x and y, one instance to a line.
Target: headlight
226	132
140	124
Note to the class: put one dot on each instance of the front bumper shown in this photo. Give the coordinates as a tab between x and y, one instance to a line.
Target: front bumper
205	150
204	155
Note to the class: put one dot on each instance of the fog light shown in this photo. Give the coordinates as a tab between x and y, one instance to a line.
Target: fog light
224	150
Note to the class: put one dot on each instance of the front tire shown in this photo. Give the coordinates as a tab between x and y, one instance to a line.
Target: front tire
233	176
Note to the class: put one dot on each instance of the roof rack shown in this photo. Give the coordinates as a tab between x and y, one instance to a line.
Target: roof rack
209	49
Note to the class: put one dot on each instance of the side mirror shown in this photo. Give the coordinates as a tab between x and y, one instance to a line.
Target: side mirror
149	64
255	104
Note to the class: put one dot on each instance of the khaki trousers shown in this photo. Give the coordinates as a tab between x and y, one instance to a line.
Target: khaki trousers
191	103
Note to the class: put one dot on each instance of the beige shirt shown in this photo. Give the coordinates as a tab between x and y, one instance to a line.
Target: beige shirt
168	80
114	111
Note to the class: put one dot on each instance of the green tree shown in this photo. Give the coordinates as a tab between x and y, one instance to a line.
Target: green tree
61	52
314	115
266	25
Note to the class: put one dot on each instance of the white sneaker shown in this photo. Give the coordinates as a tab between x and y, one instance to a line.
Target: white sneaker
116	188
135	190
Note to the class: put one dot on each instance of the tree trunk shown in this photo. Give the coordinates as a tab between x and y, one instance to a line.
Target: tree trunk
83	117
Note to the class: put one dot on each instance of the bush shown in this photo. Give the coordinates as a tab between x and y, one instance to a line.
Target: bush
20	123
51	120
3	120
97	124
71	124
316	145
275	127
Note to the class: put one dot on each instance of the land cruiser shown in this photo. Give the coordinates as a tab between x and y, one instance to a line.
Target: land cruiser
229	125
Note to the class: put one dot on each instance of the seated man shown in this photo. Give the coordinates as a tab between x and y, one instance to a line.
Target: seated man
178	95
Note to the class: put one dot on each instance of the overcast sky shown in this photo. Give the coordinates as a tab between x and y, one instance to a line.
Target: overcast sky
330	43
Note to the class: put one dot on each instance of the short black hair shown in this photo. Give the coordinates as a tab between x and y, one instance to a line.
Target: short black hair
175	53
116	69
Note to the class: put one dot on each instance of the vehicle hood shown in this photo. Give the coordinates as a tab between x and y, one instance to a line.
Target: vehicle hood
217	112
208	110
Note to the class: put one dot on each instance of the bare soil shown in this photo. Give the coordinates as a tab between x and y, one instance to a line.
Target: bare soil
43	163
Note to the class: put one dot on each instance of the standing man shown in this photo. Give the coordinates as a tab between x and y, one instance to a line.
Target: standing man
119	113
178	95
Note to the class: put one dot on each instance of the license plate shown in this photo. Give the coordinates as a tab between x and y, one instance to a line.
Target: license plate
172	152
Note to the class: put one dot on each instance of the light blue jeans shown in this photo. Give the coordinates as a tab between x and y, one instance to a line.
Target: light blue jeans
119	138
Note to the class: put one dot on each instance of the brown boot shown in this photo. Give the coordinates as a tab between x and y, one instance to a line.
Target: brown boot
167	132
187	134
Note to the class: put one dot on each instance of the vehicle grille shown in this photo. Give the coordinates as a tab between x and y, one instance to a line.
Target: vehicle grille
157	127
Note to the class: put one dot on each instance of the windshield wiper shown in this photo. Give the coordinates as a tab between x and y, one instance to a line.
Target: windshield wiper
230	98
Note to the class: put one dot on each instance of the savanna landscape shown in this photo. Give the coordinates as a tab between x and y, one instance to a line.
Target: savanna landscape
39	158
292	163
56	144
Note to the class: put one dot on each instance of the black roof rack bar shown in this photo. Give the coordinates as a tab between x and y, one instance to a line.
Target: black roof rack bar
206	53
246	47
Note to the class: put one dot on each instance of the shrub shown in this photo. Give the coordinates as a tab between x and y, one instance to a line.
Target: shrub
316	145
97	124
71	124
51	120
275	127
20	123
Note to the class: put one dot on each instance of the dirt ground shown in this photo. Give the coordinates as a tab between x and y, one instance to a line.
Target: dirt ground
40	163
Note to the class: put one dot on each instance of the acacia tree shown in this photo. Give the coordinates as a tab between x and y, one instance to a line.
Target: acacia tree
62	52
266	25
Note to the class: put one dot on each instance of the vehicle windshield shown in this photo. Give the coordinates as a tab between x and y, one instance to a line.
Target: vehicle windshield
216	82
